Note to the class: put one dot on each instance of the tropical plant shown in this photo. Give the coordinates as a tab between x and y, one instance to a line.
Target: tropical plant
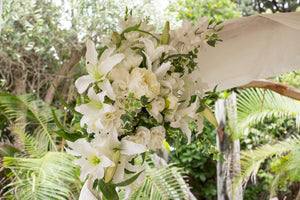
39	170
218	10
254	106
162	183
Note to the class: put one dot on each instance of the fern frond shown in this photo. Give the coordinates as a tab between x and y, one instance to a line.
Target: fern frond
251	160
255	105
52	176
32	146
162	184
36	113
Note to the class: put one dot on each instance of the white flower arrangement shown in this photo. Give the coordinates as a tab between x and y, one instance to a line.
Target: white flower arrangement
140	86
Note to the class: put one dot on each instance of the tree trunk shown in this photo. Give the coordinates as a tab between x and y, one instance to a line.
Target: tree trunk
74	59
20	88
230	150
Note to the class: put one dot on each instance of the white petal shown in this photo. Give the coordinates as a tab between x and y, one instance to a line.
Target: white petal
91	53
92	95
162	70
83	82
149	62
72	152
107	64
106	162
131	148
106	54
85	193
106	86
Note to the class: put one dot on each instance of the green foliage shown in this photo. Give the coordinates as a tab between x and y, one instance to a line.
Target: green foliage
265	112
37	114
251	161
255	105
218	10
291	78
267	131
39	171
260	189
196	161
46	177
162	183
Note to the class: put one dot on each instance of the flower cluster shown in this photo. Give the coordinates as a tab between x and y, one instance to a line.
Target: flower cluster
139	86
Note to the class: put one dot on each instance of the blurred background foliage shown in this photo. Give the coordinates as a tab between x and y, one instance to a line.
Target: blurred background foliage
43	42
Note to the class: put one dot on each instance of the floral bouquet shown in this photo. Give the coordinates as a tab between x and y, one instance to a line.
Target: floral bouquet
140	87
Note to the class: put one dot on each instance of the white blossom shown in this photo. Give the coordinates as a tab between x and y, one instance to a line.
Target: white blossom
92	161
157	135
143	82
97	69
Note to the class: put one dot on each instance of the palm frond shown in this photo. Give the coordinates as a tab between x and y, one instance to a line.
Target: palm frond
251	160
36	113
255	105
162	184
32	145
48	177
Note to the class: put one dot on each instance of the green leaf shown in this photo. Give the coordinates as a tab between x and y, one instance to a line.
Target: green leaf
65	103
130	95
129	29
212	43
101	51
107	100
64	132
144	100
129	181
126	118
193	99
108	190
8	150
219	29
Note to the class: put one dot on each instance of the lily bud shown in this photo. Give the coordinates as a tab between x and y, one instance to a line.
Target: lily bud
165	37
110	171
209	115
115	37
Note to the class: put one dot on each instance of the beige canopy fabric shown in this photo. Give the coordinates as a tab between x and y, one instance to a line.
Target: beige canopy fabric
258	46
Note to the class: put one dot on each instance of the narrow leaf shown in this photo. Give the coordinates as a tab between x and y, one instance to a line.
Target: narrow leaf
129	181
64	102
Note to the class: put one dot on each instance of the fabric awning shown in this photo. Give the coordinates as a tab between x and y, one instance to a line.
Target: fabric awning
258	46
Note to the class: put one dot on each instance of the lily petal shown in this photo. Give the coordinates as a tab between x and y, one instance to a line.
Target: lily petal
83	82
131	148
109	63
91	54
106	86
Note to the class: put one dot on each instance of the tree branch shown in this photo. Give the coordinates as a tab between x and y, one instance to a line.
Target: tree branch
74	59
280	88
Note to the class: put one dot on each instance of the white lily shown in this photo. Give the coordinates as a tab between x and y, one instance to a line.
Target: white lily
97	69
184	115
152	52
93	110
92	161
128	150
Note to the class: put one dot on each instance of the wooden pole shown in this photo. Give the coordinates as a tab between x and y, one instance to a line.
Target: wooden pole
230	150
280	88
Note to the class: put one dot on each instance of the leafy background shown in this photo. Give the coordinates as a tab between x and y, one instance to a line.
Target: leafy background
42	42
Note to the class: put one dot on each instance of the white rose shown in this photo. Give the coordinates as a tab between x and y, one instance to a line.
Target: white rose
109	120
142	136
143	82
171	102
158	134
